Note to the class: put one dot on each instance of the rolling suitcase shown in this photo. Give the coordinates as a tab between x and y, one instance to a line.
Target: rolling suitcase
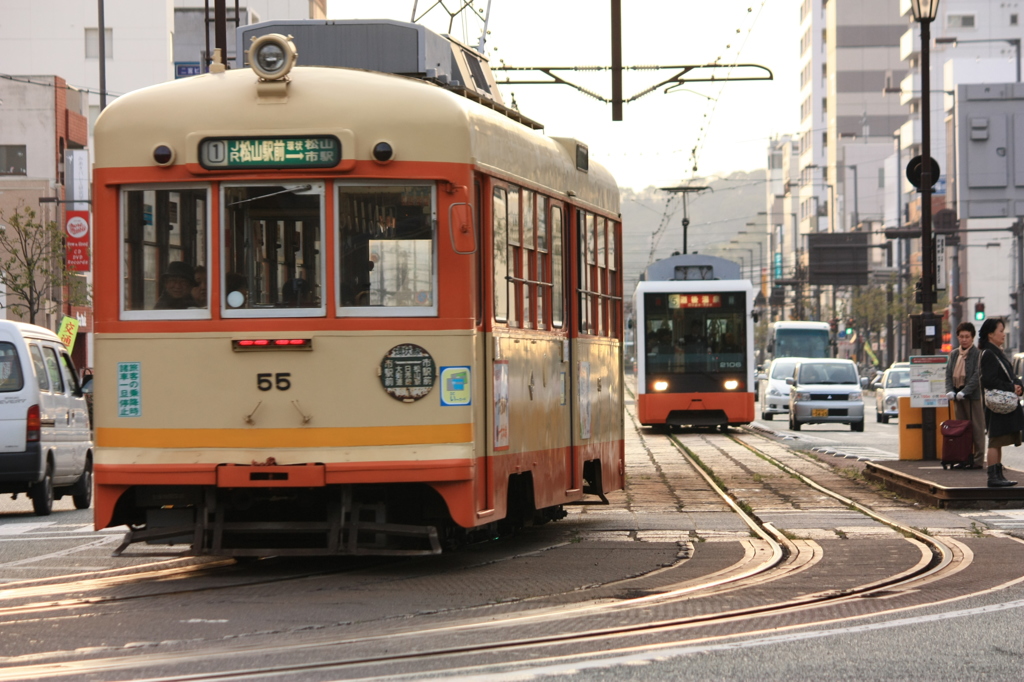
957	442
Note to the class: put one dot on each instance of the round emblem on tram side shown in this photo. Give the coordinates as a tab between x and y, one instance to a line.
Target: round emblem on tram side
407	372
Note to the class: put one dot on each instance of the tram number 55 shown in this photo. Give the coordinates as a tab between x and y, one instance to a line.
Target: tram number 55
281	380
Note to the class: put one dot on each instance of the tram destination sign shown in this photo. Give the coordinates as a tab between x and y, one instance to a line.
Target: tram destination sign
312	151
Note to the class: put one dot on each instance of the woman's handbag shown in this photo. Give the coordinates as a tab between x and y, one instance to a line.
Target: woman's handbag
1001	402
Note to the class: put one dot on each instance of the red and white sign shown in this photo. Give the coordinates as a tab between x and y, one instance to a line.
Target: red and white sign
76	228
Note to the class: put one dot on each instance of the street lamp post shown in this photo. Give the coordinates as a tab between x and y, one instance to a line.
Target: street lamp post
760	256
924	13
750	254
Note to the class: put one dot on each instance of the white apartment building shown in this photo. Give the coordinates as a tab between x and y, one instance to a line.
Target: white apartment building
849	56
988	36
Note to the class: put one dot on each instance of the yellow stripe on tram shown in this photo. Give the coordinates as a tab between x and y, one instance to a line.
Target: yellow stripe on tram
284	438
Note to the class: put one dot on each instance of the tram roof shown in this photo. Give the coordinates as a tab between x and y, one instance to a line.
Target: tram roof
421	121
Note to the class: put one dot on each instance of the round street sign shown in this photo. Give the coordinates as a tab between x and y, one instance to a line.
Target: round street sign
914	168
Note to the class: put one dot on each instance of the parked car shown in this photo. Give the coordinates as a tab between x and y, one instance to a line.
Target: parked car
1018	365
773	391
894	384
826	391
45	439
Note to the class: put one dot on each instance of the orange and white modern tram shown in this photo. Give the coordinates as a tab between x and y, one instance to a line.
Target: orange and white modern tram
695	341
345	311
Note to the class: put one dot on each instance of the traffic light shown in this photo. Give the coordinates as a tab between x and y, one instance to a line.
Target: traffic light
979	312
834	324
849	327
1013	301
918	293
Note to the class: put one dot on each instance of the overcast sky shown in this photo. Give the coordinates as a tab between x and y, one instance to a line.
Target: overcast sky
653	145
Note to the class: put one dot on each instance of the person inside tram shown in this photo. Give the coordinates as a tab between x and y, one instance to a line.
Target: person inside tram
177	282
695	345
296	292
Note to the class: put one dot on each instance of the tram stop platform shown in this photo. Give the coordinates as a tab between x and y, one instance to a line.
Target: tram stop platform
926	481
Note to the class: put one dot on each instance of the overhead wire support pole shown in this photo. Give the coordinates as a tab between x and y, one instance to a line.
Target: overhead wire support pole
616	60
684	190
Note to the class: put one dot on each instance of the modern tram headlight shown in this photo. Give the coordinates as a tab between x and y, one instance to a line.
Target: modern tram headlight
272	56
731	384
660	385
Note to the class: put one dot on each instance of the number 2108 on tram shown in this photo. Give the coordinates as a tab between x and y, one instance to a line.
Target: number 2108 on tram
341	311
694	342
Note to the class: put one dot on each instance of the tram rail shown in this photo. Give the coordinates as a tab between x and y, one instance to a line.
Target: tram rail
940	558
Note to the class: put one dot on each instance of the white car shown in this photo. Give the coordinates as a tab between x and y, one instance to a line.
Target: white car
826	391
45	438
773	391
895	383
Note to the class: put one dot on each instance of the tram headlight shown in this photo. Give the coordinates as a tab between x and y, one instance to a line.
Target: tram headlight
660	385
272	56
731	384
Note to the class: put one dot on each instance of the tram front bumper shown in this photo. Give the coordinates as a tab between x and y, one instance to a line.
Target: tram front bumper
695	409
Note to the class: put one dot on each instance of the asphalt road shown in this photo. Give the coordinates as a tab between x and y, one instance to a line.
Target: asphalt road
877	441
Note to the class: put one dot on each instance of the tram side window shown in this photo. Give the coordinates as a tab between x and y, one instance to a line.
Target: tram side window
557	286
386	248
599	296
515	257
499	222
165	237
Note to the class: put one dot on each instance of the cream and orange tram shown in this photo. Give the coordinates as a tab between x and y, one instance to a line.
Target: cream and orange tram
344	311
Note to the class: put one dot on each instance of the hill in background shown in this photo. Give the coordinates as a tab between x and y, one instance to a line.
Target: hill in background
652	221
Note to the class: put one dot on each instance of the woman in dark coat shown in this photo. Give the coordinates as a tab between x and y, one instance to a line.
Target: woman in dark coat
996	372
963	375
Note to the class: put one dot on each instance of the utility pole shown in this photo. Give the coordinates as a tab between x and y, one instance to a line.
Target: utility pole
617	65
102	30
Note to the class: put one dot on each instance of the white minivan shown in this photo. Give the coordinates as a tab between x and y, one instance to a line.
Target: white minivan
45	436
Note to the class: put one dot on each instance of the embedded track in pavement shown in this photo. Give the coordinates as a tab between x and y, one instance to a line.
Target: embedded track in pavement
764	484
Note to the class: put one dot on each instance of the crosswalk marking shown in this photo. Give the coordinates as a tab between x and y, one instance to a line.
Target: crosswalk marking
21	528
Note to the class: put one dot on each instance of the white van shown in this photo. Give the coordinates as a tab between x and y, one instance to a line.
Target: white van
45	437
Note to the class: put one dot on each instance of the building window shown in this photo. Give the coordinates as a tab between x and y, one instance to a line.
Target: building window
13	159
960	21
1013	20
881	178
92	43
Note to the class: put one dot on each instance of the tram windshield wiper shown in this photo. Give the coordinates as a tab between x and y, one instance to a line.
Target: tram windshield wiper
289	190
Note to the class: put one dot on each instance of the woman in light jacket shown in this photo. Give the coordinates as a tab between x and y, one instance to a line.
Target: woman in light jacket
996	372
963	387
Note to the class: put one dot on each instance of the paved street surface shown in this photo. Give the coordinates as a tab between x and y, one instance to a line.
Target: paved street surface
603	568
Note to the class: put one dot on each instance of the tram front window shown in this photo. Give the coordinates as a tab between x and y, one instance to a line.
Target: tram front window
164	251
272	239
386	249
695	333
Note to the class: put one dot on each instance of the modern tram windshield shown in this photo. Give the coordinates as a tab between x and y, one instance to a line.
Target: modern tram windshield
802	343
688	333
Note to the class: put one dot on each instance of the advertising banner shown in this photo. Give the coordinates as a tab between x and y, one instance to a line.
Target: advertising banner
76	229
68	332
